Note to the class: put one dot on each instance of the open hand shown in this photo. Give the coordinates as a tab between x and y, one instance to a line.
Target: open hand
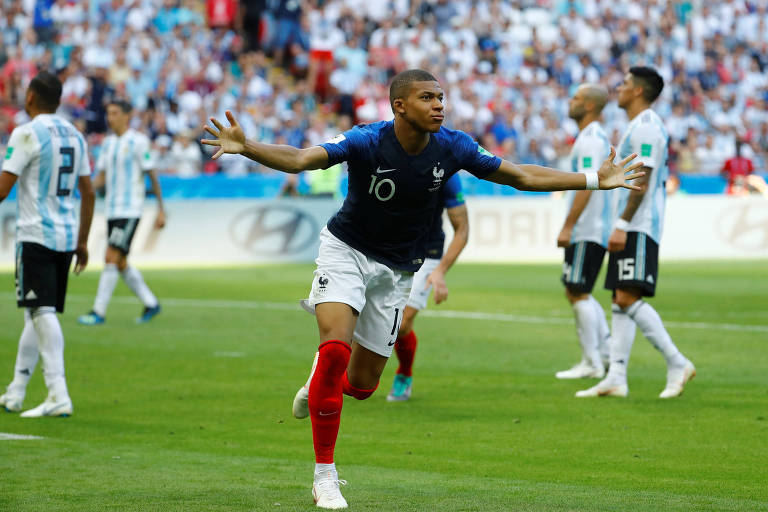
612	175
229	140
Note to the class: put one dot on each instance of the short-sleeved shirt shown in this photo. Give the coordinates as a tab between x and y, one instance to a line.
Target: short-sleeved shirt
392	196
48	155
647	136
452	197
124	159
589	150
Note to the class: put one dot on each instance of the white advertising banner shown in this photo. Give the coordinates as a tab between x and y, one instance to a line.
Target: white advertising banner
512	229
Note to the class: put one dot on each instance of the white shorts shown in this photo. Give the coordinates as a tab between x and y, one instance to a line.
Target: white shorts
376	291
420	291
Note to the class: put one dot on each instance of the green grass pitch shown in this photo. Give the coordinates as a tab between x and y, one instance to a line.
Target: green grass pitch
193	411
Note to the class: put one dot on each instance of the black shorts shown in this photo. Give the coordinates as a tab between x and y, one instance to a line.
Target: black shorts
637	266
581	266
120	233
41	276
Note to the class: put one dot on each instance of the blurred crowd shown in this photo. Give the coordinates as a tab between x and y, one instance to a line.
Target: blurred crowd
298	72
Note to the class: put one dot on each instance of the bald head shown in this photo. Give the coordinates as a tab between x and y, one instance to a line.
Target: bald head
587	103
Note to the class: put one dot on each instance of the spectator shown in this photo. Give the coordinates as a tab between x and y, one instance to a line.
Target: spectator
185	155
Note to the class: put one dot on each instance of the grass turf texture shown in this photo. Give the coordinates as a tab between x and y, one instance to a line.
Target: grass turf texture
192	411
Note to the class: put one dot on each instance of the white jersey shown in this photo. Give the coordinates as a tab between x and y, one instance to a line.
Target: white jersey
124	159
647	136
48	155
596	221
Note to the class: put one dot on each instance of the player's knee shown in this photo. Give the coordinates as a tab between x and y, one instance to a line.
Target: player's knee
624	300
334	356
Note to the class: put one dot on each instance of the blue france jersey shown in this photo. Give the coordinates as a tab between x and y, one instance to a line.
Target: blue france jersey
392	196
452	196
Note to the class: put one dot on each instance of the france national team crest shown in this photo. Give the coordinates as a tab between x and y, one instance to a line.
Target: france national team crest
438	174
322	281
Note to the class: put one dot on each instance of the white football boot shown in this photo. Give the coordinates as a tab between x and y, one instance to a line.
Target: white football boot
326	491
606	387
582	371
52	406
301	400
11	402
677	378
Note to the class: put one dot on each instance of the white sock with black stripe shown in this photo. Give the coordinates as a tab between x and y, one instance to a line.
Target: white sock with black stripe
622	338
650	324
107	283
26	358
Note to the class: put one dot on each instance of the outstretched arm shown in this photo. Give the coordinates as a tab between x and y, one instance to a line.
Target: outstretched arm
460	222
284	158
543	179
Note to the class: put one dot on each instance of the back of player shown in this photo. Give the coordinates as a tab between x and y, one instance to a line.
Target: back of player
49	158
124	159
430	275
585	234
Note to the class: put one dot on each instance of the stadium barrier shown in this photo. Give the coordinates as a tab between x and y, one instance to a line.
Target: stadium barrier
521	229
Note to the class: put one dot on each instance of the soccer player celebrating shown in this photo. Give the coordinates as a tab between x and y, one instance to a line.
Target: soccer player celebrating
371	247
430	275
49	158
124	158
585	234
634	243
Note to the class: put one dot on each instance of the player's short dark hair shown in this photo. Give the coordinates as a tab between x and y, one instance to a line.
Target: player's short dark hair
123	105
401	83
649	79
47	89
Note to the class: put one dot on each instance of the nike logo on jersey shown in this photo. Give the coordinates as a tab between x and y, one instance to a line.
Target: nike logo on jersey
380	170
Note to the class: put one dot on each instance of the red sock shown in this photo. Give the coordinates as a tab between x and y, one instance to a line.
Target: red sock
360	394
326	399
405	347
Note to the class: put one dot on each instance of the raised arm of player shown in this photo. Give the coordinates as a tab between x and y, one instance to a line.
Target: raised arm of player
87	198
275	156
538	178
460	222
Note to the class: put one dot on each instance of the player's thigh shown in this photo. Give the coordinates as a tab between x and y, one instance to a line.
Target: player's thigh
120	234
581	266
635	267
420	290
379	321
339	281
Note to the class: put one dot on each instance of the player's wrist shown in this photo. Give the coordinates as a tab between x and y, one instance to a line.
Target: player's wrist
621	225
592	181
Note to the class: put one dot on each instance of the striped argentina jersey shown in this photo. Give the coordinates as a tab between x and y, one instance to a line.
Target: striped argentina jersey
647	136
48	155
596	221
124	159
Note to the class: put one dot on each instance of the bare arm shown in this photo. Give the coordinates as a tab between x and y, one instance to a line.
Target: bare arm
544	179
580	200
99	180
87	198
460	222
276	156
160	219
7	180
618	239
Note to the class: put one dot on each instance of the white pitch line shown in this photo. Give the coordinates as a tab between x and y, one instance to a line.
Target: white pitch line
443	313
5	436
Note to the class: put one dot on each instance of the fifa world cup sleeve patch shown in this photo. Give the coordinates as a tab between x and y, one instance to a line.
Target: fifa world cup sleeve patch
147	156
483	151
586	162
340	137
645	149
8	153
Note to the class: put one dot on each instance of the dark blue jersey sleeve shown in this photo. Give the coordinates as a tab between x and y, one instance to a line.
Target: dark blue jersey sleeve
473	157
346	146
452	193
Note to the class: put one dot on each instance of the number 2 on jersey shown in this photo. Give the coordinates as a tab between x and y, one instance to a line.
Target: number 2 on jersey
67	167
